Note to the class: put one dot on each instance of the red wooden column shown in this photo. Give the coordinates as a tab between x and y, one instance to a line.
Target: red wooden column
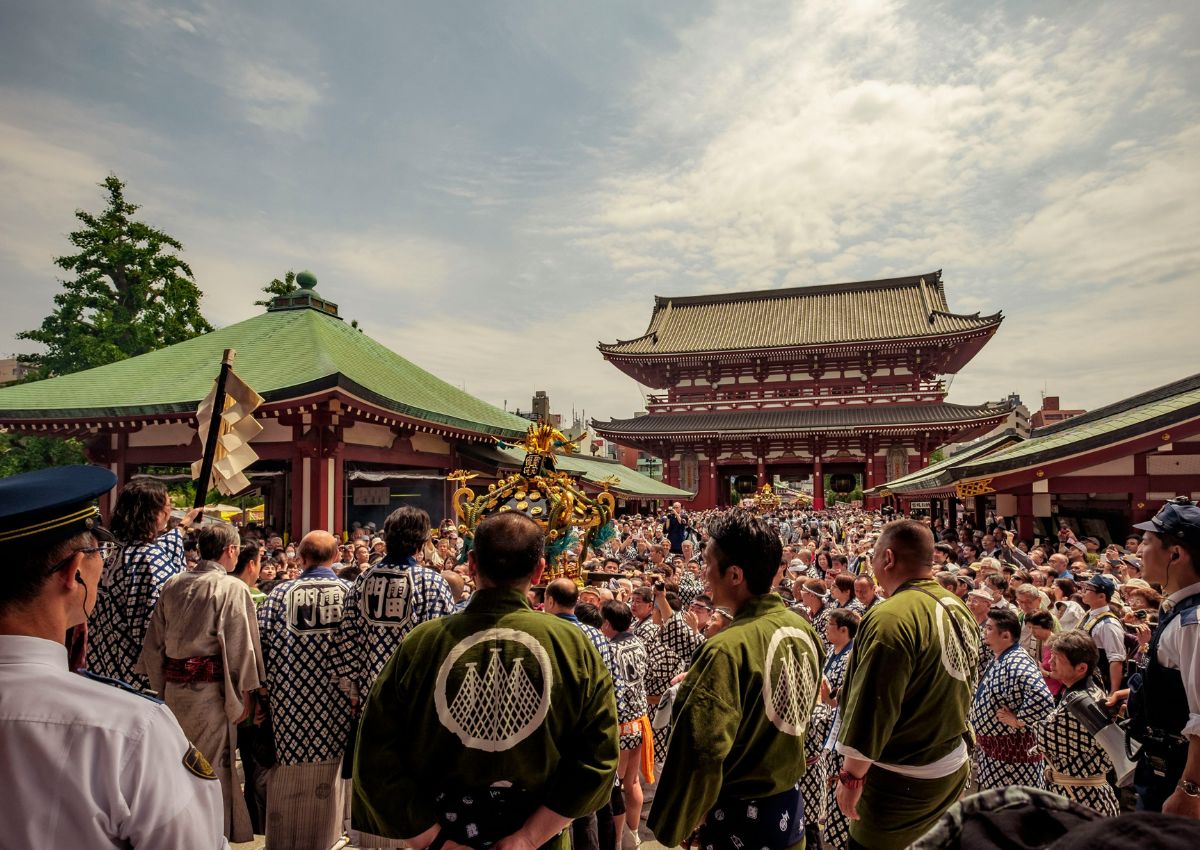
818	483
762	471
1025	516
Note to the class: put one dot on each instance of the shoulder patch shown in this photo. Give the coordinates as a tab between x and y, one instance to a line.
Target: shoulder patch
197	764
119	685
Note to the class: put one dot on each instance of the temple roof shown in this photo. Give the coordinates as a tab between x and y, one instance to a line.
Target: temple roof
1121	420
282	354
1072	440
629	483
810	419
878	310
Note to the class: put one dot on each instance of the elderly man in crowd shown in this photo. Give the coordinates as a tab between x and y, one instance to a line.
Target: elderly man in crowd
202	654
311	714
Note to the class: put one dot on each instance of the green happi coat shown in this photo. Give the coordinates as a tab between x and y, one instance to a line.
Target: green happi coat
908	690
740	717
496	694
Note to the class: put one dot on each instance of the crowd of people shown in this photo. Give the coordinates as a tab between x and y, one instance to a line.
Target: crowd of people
838	677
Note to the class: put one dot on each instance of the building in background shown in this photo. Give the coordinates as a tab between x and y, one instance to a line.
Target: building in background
841	385
1052	412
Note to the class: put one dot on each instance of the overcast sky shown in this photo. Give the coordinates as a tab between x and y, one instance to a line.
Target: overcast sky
492	188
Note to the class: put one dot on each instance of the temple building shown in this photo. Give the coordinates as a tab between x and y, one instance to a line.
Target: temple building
351	430
844	383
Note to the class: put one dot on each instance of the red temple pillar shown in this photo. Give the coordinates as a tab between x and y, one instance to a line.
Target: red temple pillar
818	484
762	471
1025	516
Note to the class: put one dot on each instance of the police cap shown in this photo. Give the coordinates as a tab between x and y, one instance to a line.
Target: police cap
1178	519
41	508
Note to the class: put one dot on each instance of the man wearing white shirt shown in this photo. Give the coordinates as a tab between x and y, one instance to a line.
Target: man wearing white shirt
87	763
1165	703
1106	630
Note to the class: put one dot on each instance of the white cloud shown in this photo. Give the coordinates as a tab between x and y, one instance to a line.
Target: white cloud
272	98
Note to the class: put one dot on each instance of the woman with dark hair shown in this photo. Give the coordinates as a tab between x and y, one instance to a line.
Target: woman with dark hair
133	578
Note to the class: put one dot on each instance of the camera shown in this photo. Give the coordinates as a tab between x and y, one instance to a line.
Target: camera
659	584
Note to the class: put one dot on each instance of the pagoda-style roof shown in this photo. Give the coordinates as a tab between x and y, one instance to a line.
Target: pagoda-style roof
293	350
1136	416
898	309
913	417
938	475
595	471
1144	421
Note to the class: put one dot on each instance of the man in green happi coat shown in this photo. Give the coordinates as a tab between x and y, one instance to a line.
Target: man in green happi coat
736	752
908	690
495	726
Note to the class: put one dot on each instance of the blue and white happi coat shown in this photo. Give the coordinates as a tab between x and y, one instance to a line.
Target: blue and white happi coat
632	661
384	604
129	589
1004	755
836	832
298	626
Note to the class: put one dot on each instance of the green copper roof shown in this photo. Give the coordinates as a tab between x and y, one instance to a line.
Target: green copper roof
281	354
630	483
1129	417
938	473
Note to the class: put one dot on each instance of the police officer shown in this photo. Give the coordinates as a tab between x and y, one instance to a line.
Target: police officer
1164	704
87	762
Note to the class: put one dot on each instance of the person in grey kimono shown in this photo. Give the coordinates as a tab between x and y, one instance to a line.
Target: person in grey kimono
202	655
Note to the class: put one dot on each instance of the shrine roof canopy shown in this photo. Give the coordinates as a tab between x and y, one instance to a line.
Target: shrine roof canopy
908	308
282	354
629	483
939	474
821	419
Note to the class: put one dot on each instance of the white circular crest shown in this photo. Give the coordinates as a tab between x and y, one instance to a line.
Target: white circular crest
495	708
790	691
956	658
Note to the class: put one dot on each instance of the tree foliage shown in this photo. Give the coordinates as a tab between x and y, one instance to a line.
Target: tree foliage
279	287
19	453
129	292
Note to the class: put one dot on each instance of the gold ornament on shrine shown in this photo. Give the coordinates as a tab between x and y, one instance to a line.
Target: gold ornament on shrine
549	497
766	499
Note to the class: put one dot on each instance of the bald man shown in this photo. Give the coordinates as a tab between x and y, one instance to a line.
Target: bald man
306	795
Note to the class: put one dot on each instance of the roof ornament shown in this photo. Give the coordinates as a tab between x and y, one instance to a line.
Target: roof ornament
552	499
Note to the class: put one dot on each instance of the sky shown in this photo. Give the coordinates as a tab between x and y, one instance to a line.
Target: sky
491	188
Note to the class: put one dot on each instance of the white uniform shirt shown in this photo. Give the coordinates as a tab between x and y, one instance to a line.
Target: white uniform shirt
1178	650
86	764
1108	634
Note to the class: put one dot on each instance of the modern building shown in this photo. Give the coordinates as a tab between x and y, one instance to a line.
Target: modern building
839	383
1051	413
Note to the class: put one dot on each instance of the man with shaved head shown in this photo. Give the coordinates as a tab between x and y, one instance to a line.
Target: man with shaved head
306	795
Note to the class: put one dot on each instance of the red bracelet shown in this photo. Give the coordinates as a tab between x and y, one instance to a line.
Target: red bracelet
850	780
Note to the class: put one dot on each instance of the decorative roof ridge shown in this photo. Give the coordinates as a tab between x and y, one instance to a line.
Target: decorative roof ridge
986	407
798	291
991	318
605	346
1191	382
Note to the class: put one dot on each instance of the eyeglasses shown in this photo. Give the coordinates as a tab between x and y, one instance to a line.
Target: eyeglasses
104	550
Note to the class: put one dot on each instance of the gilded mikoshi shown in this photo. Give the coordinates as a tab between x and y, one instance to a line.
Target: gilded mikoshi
549	497
766	499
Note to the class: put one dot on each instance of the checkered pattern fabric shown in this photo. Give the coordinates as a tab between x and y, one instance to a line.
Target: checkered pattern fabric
128	591
383	605
298	625
1070	749
689	588
1012	681
813	784
632	661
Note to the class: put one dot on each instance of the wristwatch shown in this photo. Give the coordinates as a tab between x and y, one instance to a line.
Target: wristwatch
1189	788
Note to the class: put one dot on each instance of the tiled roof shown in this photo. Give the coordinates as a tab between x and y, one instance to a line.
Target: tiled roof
938	474
281	354
630	482
800	419
900	308
1121	420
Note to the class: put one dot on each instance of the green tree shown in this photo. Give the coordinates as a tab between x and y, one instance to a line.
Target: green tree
129	293
279	287
20	453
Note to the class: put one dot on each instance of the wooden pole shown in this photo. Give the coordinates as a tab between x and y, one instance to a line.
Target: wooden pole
214	431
